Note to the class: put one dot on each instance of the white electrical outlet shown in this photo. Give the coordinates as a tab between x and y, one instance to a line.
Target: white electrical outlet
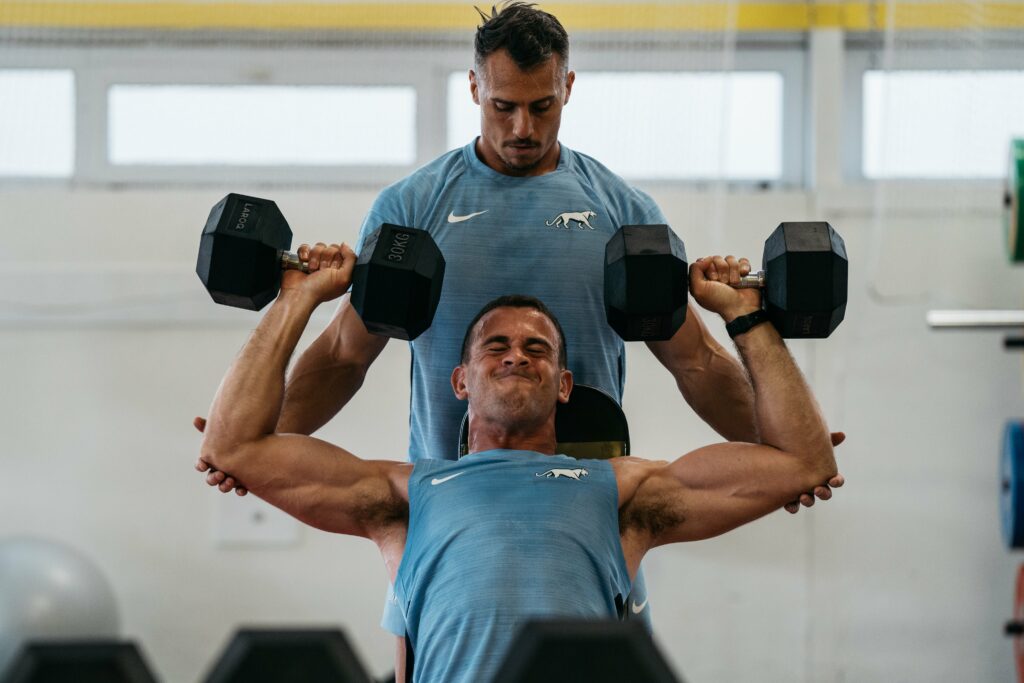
247	521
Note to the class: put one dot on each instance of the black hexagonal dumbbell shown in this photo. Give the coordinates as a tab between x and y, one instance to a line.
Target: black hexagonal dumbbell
91	659
804	281
261	655
645	282
804	278
396	284
596	651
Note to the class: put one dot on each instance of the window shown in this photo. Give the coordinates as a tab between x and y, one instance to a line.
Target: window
37	123
261	125
367	115
940	124
662	125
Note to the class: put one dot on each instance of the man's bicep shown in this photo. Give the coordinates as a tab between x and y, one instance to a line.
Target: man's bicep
717	488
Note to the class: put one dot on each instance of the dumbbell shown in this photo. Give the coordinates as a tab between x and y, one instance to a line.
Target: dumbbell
396	283
804	281
596	650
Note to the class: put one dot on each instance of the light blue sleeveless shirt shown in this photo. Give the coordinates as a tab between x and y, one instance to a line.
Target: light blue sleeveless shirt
543	236
497	538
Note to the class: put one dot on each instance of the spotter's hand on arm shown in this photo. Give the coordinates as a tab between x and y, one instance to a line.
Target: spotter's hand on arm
823	492
223	481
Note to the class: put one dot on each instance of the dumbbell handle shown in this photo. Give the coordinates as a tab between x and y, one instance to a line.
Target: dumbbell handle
751	281
291	261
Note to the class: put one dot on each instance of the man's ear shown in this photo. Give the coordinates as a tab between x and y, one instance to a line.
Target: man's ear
570	78
565	385
474	87
459	383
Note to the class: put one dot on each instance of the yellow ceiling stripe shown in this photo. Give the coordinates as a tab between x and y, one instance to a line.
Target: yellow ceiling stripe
388	16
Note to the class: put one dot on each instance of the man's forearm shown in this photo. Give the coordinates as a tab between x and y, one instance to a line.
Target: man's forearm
329	373
313	395
248	402
786	414
712	380
719	391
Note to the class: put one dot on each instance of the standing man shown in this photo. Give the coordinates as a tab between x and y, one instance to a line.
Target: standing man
514	210
465	578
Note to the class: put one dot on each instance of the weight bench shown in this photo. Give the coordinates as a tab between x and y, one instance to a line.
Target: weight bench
590	426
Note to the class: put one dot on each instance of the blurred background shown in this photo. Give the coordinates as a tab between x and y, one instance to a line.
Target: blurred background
122	123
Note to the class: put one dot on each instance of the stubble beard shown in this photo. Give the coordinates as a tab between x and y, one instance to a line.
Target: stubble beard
518	409
521	168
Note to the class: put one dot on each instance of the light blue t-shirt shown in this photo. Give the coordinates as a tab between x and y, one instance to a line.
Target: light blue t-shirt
542	236
496	539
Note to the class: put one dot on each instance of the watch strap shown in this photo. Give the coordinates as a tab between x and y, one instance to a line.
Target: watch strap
744	322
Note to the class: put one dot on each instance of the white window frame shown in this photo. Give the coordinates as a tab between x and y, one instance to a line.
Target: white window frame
860	60
28	59
424	68
49	178
245	67
789	62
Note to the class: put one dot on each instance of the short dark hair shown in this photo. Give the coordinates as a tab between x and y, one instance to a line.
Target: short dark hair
517	301
530	36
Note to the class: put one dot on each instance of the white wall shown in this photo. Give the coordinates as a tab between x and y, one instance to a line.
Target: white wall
902	577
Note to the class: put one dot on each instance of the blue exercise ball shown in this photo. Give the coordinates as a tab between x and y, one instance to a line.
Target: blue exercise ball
49	590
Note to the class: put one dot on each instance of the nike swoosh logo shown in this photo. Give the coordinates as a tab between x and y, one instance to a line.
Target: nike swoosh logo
442	480
452	218
637	609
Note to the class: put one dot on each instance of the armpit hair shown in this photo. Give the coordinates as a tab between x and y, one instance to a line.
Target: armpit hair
655	517
380	507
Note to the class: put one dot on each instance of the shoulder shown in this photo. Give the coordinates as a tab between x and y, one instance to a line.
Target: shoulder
425	182
588	166
632	472
404	202
397	476
613	187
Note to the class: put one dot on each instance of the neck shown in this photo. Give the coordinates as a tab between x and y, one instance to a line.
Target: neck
547	164
485	435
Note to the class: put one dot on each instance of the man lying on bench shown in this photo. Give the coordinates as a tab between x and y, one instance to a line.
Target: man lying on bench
512	530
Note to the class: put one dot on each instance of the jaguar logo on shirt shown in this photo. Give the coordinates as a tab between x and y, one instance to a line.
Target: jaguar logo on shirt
576	473
581	218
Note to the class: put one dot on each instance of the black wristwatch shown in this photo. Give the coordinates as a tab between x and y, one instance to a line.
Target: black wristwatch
744	322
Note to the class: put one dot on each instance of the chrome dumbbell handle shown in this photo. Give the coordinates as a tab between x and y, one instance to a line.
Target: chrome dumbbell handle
291	261
751	281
